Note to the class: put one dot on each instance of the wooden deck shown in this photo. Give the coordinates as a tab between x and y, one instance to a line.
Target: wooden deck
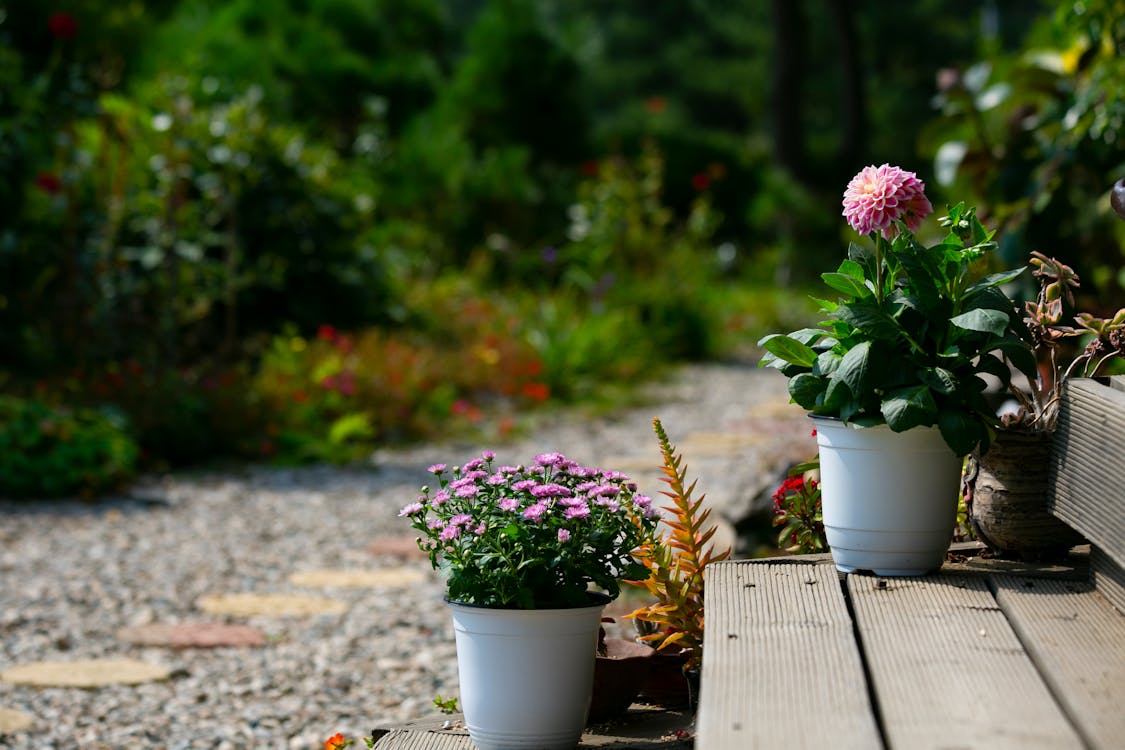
642	728
983	655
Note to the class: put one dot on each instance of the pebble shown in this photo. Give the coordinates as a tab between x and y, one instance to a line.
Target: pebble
372	643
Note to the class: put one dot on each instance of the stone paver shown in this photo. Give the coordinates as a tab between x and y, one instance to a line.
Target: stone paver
12	720
359	579
86	673
193	635
270	605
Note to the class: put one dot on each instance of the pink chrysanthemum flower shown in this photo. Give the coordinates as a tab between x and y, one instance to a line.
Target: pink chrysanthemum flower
878	196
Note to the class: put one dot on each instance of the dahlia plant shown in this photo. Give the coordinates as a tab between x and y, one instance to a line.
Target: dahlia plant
531	537
913	329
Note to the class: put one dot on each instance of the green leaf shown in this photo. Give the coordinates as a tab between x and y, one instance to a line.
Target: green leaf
851	268
939	379
827	363
909	407
846	284
855	366
983	320
961	431
825	305
870	319
995	366
836	396
1021	356
996	279
806	390
788	349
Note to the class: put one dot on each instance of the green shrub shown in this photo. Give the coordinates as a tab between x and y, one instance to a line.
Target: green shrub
50	451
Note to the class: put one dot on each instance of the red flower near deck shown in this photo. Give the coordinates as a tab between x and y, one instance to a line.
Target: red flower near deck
337	742
63	25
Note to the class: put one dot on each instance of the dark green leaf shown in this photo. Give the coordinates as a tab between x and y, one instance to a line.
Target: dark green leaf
806	390
995	366
1021	357
835	397
961	431
870	319
939	379
827	363
854	368
996	279
909	407
983	320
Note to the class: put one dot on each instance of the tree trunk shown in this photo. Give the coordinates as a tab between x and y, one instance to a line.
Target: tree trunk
787	90
853	109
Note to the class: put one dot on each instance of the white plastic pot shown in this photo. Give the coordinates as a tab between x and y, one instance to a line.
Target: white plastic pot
889	499
526	676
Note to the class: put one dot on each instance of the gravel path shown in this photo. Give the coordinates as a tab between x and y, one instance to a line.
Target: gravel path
74	574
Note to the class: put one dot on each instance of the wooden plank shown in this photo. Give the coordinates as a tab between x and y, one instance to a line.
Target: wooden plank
780	663
1087	463
1078	642
1108	577
413	739
946	667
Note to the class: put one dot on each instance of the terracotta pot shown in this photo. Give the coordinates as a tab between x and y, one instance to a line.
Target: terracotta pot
618	676
666	685
1006	495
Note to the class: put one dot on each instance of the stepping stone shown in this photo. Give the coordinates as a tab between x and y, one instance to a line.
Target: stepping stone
193	635
378	578
397	546
88	673
12	720
270	605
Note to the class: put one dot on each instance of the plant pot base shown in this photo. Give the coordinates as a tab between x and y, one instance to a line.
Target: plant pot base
885	572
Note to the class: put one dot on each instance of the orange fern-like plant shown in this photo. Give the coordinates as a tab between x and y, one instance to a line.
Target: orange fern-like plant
676	563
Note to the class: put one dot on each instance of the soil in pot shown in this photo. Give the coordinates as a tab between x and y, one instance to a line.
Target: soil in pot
1006	493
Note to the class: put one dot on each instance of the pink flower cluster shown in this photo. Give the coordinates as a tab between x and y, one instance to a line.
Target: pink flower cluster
877	197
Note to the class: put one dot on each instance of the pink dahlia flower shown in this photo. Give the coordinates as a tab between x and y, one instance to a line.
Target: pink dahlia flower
878	196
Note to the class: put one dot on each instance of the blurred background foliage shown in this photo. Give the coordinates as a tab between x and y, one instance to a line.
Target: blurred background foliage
295	229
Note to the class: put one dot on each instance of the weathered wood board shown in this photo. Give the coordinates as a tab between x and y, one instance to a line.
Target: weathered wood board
1078	642
1088	463
781	666
947	669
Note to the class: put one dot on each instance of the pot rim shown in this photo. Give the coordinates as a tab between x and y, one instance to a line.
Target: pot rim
597	599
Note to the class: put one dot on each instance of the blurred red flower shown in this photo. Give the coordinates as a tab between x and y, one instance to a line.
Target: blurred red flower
537	391
48	182
63	25
700	181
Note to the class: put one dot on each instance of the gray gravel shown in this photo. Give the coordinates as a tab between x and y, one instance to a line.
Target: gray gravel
74	573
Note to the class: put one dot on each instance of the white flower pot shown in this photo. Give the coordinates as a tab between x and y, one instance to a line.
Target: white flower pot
526	675
889	499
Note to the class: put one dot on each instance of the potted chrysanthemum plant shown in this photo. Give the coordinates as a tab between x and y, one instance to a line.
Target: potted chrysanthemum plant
531	555
892	377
